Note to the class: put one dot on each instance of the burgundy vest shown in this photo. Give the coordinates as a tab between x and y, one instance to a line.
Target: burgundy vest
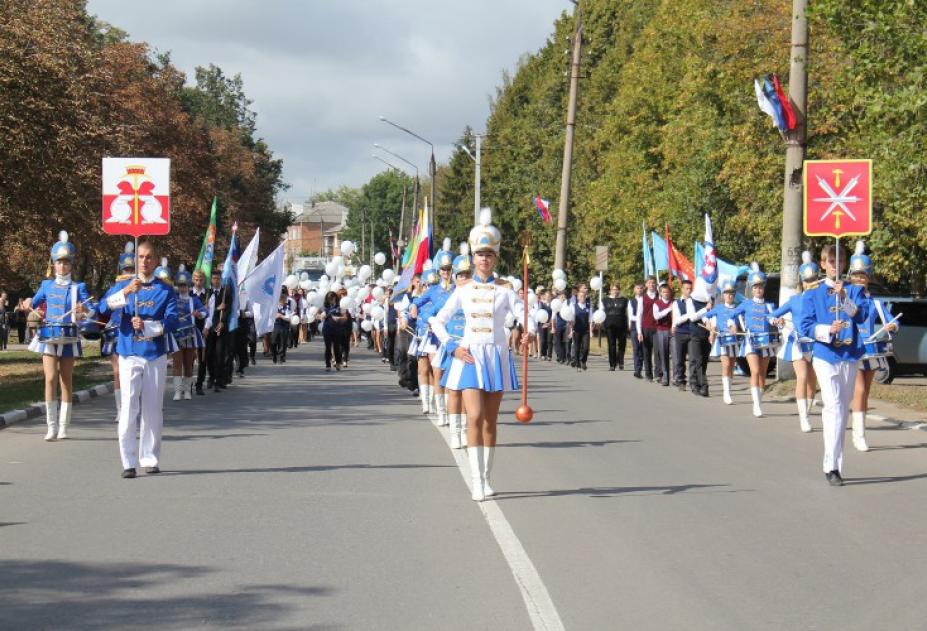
647	320
666	322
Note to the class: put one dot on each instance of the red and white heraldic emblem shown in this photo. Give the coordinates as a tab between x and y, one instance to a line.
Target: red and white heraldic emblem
136	196
838	197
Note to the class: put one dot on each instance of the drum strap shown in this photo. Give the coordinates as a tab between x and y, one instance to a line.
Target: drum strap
74	302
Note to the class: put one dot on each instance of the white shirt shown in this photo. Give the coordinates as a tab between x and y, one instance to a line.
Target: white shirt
485	306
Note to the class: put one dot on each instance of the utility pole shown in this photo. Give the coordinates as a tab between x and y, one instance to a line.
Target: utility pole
402	218
433	167
560	248
790	256
476	184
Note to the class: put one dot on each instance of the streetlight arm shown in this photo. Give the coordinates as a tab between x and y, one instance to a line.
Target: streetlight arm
396	155
411	133
466	151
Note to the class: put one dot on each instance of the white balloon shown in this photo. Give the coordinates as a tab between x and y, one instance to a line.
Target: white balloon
363	293
509	319
388	275
598	316
364	272
379	258
336	286
338	260
367	325
331	268
541	316
560	284
324	278
516	284
377	313
312	312
294	320
341	269
346	303
555	305
567	313
378	293
291	282
558	273
532	299
347	248
304	276
595	283
368	307
305	285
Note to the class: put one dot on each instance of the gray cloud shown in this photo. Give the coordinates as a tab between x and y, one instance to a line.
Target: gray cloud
321	72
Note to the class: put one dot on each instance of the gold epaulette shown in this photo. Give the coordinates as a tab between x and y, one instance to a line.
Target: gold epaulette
503	283
122	277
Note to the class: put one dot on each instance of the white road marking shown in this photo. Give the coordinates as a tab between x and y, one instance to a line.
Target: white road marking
540	606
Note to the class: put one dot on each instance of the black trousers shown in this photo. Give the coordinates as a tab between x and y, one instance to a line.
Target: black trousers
242	333
580	347
280	340
545	345
647	351
637	352
389	345
699	349
680	354
216	354
560	345
617	343
21	332
334	342
4	335
346	341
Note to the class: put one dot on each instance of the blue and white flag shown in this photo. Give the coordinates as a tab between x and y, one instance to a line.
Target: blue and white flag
263	286
230	279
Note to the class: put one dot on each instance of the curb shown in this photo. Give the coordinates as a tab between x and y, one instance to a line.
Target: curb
81	396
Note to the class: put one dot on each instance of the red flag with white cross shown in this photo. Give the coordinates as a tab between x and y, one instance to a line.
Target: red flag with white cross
838	197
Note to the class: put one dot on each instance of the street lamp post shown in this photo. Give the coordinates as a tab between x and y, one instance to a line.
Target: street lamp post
432	165
415	188
476	183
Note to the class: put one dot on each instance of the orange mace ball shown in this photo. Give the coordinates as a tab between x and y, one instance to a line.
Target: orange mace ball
524	414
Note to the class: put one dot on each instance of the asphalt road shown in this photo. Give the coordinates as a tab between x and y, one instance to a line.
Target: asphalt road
301	500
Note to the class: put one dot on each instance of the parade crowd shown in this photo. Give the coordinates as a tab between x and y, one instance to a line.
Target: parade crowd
452	332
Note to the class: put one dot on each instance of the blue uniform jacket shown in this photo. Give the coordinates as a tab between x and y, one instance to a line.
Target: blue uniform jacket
157	306
724	315
57	299
818	312
755	314
186	317
430	303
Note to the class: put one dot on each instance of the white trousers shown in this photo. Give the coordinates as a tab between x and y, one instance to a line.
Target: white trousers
142	382
836	381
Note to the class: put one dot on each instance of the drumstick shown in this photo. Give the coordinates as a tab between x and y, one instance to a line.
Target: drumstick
524	413
68	312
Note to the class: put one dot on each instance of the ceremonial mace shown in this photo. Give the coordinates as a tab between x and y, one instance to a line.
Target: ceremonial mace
524	413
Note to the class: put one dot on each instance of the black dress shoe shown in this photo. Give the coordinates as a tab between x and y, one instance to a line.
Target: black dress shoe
128	473
834	479
217	389
637	375
611	368
620	366
152	470
704	392
241	374
199	389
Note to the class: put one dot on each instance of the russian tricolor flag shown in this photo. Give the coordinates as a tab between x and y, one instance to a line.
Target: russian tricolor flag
543	207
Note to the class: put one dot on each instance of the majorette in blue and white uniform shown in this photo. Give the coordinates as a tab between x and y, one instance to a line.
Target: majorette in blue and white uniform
58	335
726	343
189	309
755	318
875	353
486	302
835	357
796	348
60	295
793	346
426	305
461	269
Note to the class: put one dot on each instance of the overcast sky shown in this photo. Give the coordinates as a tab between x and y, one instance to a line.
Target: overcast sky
321	73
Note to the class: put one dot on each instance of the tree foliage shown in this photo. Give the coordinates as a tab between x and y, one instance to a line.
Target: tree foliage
73	89
668	129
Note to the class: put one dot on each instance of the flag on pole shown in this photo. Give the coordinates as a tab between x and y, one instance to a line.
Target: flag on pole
543	206
249	257
706	279
660	252
208	249
679	265
417	252
788	113
263	289
764	102
230	278
648	255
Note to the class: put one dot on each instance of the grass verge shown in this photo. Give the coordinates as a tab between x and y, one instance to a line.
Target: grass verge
22	382
912	396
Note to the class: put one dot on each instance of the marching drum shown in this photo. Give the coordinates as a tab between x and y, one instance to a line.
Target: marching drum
874	350
806	345
90	329
764	340
184	333
58	333
727	339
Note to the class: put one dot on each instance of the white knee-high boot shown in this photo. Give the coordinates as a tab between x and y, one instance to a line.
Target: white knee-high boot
859	431
726	388
64	419
757	396
178	386
117	394
441	402
454	420
187	388
803	415
475	456
424	393
488	453
51	419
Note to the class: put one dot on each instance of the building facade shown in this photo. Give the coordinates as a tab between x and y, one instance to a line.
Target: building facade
316	230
